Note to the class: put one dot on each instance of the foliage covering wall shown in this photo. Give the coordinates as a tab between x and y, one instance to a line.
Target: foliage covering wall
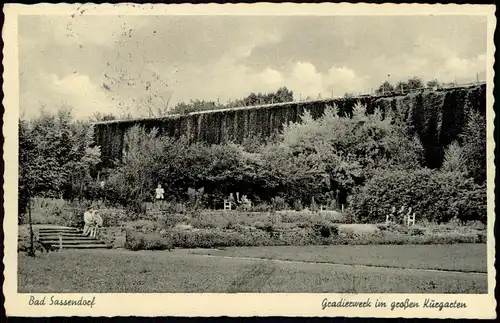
436	117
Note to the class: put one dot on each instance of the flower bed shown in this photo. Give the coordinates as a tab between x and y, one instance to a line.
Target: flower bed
319	235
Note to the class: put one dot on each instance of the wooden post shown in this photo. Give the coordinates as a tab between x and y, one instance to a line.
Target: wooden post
60	242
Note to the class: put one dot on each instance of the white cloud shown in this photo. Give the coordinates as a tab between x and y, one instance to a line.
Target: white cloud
341	74
231	81
306	80
462	69
226	79
76	90
271	77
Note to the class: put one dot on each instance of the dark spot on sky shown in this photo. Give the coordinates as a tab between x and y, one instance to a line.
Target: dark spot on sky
106	87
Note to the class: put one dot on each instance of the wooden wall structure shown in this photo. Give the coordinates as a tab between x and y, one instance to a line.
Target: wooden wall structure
437	117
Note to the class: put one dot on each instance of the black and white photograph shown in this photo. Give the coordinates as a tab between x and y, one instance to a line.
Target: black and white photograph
239	152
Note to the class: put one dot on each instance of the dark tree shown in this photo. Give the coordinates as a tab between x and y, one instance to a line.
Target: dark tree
385	88
415	83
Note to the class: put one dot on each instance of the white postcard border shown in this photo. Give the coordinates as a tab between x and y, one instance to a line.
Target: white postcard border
252	304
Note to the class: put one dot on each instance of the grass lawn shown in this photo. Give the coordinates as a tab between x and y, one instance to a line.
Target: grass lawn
114	271
455	257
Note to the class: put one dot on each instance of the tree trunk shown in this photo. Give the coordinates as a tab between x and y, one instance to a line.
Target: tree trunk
31	251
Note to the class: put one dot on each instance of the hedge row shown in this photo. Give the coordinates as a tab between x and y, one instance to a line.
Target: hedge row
433	195
317	236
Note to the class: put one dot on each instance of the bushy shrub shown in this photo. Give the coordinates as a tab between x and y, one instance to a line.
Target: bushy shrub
393	228
57	211
474	145
295	217
350	216
216	238
47	211
167	207
433	195
297	205
113	217
334	152
180	166
141	241
195	199
309	218
417	231
320	233
144	226
114	236
454	159
326	229
261	207
398	239
473	205
207	222
167	221
314	205
278	203
74	215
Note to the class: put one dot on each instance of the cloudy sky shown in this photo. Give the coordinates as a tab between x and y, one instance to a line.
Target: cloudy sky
105	63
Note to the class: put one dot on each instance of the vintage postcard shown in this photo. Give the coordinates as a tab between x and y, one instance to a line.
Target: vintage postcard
249	160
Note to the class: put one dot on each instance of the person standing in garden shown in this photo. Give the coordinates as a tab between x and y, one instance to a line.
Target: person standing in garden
159	193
